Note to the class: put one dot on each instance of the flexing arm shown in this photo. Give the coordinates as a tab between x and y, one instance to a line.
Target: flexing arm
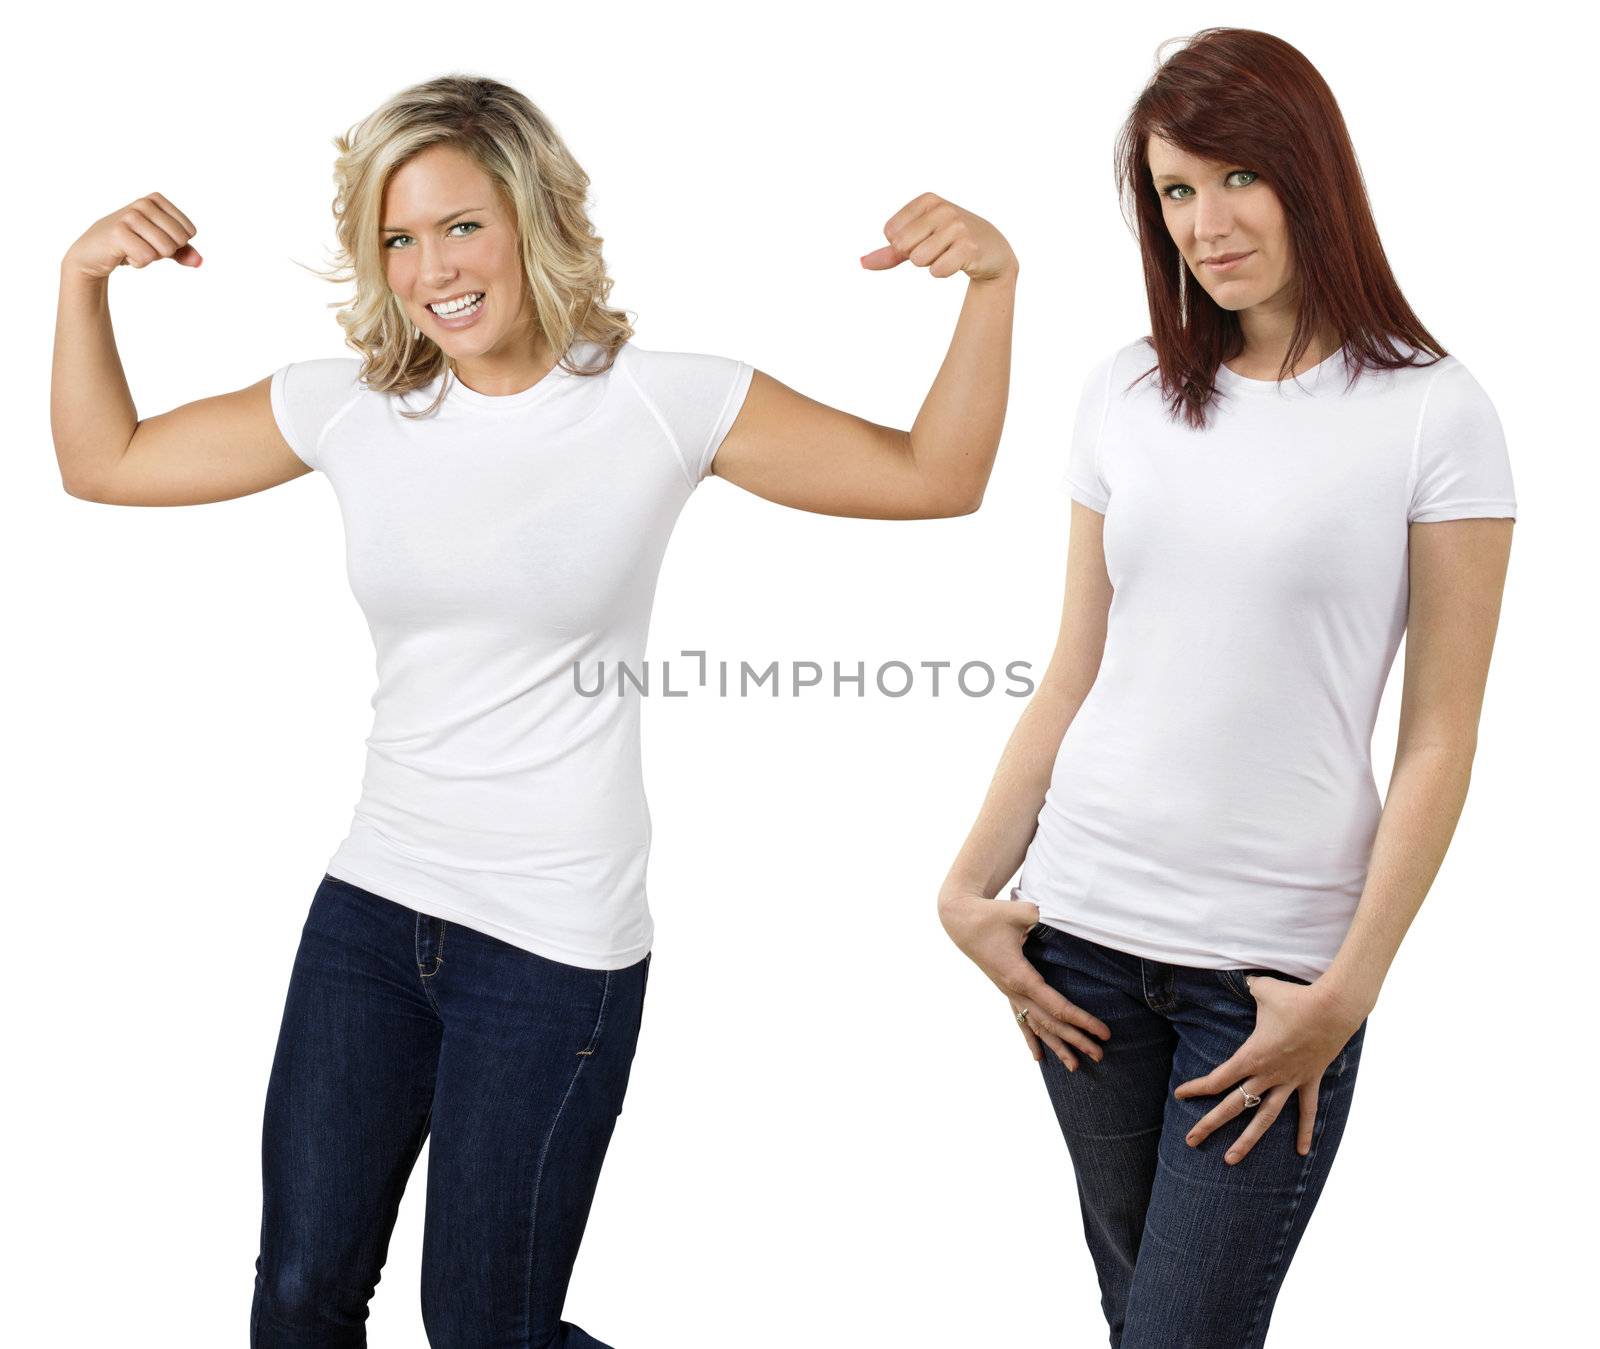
789	449
991	931
210	450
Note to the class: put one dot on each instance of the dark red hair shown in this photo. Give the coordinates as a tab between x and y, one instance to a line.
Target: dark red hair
1254	102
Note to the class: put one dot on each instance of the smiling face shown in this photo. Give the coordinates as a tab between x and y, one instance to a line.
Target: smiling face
448	232
1228	225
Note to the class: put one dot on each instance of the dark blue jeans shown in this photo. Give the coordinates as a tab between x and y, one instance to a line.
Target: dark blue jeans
398	1026
1190	1251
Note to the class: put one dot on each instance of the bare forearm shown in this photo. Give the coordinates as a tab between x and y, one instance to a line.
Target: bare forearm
1426	793
957	431
1005	826
92	416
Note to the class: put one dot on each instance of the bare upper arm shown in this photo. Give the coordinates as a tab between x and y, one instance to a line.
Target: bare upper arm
1085	609
798	452
213	449
1457	576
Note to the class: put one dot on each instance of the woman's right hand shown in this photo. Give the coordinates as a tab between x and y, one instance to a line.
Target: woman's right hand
134	235
991	932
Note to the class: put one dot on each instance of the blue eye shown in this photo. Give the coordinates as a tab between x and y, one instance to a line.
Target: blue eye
390	241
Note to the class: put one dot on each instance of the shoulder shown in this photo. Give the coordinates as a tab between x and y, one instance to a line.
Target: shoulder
315	390
1116	374
319	386
664	369
1427	375
325	372
1453	394
1433	387
679	384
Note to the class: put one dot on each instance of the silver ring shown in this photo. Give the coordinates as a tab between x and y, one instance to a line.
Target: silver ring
1022	1017
1249	1101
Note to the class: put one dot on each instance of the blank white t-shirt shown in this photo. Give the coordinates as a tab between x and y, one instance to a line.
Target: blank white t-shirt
1212	802
491	546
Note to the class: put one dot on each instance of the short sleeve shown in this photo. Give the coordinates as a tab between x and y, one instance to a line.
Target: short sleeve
308	396
1460	466
693	398
1083	481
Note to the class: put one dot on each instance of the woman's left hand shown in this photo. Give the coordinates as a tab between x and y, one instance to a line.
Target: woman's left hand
934	233
1299	1031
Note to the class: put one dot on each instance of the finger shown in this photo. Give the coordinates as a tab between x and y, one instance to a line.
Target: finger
179	226
1270	1108
157	214
1308	1118
1060	1050
920	230
1235	1068
934	243
1034	1047
881	258
910	211
1044	1025
1226	1109
183	220
954	259
1038	1035
1025	985
146	240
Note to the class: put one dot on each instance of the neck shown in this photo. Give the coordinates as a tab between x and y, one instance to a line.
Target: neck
507	372
1266	343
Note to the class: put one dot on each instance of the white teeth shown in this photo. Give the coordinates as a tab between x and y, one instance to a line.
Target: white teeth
461	306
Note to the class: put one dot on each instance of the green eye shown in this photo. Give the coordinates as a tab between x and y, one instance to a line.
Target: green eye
1171	191
390	241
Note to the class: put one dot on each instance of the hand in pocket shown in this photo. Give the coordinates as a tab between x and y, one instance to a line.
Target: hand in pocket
1298	1033
991	932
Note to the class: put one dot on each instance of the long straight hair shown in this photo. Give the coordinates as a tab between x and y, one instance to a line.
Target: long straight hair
1251	100
544	187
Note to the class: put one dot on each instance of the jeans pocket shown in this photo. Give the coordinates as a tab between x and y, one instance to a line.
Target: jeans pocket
1234	982
1237	981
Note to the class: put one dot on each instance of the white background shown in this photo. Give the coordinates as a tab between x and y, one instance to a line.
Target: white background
834	1133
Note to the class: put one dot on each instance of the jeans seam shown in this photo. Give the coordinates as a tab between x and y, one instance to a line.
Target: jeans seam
544	1153
1288	1224
533	1212
600	1021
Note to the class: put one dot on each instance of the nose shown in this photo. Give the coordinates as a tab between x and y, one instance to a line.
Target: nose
1213	218
434	268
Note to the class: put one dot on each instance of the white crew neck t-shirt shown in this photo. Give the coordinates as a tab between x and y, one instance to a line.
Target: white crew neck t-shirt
1212	803
491	546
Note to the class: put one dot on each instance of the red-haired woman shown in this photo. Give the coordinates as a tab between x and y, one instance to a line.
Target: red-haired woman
1270	489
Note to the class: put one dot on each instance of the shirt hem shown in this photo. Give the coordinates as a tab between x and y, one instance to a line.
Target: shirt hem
1472	509
562	955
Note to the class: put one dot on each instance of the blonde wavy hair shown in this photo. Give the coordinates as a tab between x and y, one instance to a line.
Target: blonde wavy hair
515	144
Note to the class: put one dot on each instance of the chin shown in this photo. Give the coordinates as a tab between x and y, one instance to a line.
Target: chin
1233	298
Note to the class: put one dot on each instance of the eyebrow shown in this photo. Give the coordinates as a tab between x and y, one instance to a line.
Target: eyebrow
395	229
1169	178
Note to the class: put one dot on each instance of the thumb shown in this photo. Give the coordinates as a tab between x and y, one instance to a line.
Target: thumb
883	258
1023	913
188	256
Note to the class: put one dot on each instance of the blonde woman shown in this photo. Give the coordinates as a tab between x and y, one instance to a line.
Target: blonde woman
1287	475
509	466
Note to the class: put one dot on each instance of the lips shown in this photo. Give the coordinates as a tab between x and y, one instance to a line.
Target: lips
451	299
1223	259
